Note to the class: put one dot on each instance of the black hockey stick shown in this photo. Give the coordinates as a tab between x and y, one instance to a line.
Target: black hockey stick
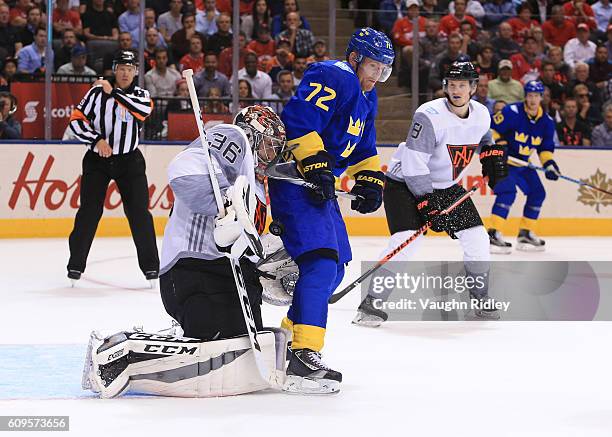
276	171
337	296
567	178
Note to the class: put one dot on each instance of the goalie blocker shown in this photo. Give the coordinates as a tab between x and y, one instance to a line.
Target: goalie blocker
168	365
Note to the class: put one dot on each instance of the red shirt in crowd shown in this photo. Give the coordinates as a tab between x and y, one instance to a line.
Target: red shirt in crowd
246	6
449	23
17	12
263	49
570	12
220	5
402	30
225	60
70	16
558	36
521	29
520	67
188	61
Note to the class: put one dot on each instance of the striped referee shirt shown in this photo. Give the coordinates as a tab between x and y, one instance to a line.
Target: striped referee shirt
116	117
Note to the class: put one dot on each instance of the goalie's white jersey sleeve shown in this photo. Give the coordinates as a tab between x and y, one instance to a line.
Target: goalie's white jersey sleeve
439	146
189	232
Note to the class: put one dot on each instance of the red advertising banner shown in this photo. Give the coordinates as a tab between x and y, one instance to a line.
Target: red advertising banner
31	106
182	125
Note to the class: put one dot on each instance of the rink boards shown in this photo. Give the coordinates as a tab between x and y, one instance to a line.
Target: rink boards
39	193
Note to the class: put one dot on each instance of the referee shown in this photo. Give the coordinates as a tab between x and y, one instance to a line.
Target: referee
109	120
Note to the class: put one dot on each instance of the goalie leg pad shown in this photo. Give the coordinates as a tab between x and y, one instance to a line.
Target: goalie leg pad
183	367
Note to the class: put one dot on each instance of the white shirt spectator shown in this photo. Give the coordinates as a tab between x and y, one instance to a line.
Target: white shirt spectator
69	69
473	8
603	12
168	22
575	51
261	84
161	85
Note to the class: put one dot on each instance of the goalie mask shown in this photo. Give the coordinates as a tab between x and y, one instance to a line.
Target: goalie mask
265	132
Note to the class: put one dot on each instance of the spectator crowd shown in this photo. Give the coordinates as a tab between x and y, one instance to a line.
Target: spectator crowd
276	44
566	45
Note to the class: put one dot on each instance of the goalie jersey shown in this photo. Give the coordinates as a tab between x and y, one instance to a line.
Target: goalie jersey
439	146
189	232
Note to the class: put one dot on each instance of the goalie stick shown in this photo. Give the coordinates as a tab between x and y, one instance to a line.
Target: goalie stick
567	178
337	296
234	256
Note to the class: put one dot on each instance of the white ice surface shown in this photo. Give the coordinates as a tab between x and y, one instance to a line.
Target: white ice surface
410	379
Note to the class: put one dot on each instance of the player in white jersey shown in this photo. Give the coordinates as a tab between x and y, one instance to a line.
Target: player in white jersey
423	174
214	357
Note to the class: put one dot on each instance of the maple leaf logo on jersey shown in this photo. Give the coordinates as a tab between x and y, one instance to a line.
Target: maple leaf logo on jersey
460	156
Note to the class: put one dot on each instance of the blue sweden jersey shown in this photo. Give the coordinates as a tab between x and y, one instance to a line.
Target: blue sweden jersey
329	111
524	133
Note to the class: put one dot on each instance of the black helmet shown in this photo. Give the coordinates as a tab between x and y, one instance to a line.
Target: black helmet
461	70
125	57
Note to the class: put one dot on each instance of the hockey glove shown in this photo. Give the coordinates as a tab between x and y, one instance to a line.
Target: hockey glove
552	170
429	208
318	170
493	160
368	188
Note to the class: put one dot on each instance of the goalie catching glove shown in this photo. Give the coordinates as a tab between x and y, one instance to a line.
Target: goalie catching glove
278	272
240	204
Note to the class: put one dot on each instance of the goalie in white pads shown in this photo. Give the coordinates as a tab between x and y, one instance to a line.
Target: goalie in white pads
196	279
422	181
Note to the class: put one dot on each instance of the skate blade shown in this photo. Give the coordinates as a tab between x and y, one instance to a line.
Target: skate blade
524	247
307	386
362	319
500	250
88	381
73	283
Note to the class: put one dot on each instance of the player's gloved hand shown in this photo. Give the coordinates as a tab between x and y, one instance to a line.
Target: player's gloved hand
552	170
368	187
493	160
429	208
318	170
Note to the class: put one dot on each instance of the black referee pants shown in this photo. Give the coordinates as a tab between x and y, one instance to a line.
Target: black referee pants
128	171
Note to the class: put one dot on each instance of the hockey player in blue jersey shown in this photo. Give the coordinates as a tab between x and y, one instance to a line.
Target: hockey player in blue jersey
523	128
330	122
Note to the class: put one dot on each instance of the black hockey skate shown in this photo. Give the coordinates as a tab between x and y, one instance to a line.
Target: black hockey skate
486	309
368	314
152	277
497	244
307	374
74	276
528	241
